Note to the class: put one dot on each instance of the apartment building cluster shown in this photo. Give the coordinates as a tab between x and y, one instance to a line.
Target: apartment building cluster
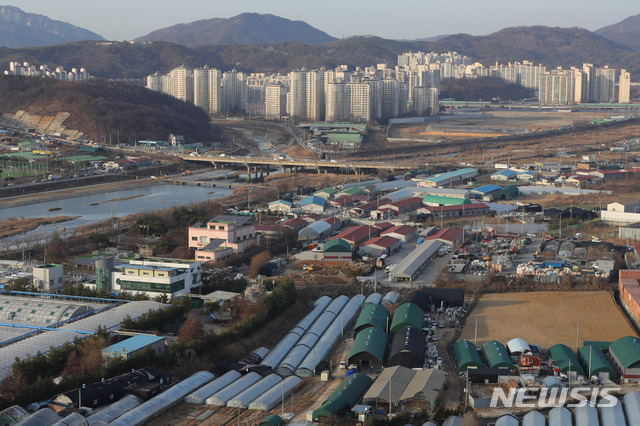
410	88
16	68
316	95
589	84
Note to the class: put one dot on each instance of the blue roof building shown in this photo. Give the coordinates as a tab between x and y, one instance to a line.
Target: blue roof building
485	191
132	346
504	175
313	203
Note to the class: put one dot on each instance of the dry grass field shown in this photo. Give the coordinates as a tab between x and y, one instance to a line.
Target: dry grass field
547	318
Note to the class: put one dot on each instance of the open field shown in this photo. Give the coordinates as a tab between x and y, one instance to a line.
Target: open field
492	123
547	318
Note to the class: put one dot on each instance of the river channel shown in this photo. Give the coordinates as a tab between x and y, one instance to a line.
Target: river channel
93	208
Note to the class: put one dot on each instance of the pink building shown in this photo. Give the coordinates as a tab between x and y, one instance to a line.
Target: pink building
221	236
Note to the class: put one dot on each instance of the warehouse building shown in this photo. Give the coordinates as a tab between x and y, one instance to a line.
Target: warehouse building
412	265
452	237
372	316
419	298
312	203
378	246
444	296
407	348
337	250
448	178
135	345
399	384
442	192
436	201
407	315
466	356
368	349
625	354
345	396
496	355
316	231
404	233
564	359
595	363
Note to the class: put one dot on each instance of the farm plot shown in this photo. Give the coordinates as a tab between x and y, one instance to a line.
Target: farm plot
547	318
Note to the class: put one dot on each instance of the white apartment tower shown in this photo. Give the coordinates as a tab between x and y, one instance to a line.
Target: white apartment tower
275	101
557	88
624	87
425	100
298	94
235	91
605	85
215	91
182	83
315	95
336	102
201	91
154	82
358	101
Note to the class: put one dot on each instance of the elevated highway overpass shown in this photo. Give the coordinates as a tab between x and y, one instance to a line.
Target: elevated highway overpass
257	164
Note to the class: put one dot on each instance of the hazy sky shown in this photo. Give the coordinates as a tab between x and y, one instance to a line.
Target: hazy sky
408	19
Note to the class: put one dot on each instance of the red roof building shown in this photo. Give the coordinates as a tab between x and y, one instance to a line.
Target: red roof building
357	235
378	246
454	237
402	232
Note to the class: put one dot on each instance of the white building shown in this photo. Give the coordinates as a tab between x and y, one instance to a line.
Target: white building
48	277
154	278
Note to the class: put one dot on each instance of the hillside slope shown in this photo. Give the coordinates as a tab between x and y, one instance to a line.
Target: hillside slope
101	107
625	32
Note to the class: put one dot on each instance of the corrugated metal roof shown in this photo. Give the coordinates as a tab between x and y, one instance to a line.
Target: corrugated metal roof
43	342
466	355
372	341
627	350
337	245
445	201
534	418
613	415
564	358
507	420
497	356
418	297
518	345
425	385
405	315
586	415
594	361
132	344
560	416
410	265
407	348
344	396
373	315
164	401
632	407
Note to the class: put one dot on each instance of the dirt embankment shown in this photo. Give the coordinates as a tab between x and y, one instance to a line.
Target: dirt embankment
20	226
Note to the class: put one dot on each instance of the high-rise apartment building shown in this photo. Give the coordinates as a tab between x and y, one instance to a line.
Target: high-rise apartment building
275	101
624	87
557	87
605	85
298	94
182	83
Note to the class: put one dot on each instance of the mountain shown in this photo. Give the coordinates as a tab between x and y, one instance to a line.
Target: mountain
625	32
246	28
20	29
100	107
553	47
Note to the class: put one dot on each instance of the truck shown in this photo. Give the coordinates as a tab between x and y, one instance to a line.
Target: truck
380	262
54	177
